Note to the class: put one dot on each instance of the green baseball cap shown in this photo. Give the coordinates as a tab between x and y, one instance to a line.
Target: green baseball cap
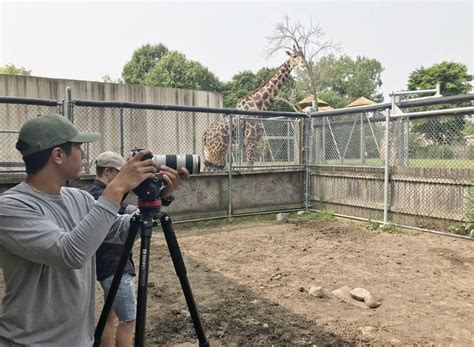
47	131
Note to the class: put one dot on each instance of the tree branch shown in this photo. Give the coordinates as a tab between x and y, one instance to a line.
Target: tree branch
310	40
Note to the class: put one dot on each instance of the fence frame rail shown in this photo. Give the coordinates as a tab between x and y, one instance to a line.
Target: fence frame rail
393	111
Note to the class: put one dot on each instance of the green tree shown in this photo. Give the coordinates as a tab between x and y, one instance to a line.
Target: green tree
238	87
454	79
174	70
469	128
340	80
11	69
355	78
245	82
334	99
108	79
143	60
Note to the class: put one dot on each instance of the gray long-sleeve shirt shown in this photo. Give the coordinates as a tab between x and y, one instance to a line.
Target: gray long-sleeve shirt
47	247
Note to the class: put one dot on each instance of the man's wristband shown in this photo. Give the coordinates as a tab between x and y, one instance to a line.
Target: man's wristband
167	201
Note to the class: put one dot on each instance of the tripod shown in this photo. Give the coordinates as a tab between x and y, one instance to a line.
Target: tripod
145	221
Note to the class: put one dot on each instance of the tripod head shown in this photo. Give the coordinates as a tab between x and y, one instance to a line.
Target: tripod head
149	195
149	191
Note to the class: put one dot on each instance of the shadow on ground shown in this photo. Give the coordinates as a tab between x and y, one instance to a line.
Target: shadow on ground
230	314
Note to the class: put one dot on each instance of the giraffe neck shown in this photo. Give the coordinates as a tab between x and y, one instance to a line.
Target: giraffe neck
266	93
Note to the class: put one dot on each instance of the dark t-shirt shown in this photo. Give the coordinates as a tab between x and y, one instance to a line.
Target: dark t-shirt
108	254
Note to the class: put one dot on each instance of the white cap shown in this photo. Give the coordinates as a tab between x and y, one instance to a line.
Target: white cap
110	159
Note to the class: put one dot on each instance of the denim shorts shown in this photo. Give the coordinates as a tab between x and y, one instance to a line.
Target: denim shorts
125	303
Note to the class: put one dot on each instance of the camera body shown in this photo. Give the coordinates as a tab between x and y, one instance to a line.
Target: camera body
150	190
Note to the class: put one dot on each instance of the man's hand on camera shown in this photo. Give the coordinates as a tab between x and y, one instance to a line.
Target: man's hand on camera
134	172
172	179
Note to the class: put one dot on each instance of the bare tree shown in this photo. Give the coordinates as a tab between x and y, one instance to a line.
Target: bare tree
310	40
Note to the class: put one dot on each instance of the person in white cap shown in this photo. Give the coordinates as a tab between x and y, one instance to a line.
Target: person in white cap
108	165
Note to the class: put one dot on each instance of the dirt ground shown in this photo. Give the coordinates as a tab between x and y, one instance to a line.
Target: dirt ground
251	283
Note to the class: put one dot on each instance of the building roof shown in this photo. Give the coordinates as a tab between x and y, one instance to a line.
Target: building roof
325	108
362	101
320	108
308	101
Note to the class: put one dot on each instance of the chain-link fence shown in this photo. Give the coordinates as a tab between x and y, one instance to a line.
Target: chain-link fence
277	142
432	148
257	141
258	162
419	174
244	152
13	113
347	176
349	139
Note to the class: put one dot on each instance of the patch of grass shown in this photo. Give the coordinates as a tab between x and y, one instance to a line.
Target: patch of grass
327	216
467	228
267	218
390	228
212	223
393	229
372	226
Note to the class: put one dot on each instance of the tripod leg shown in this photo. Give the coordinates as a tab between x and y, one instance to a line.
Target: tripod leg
181	272
145	233
132	233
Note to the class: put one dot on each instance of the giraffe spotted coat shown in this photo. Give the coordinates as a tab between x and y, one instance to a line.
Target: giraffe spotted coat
215	139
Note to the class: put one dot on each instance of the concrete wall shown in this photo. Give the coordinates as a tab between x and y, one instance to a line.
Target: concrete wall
206	195
162	131
430	198
54	88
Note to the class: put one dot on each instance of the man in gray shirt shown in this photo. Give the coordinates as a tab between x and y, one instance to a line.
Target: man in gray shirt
49	234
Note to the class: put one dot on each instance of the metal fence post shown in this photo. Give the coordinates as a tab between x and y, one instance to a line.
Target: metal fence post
122	140
69	108
288	151
386	183
405	130
238	136
317	145
61	107
229	160
306	143
87	169
362	139
323	146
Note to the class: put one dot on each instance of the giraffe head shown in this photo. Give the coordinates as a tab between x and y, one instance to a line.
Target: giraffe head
297	57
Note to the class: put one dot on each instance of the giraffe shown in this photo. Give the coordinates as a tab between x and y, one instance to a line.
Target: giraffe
215	139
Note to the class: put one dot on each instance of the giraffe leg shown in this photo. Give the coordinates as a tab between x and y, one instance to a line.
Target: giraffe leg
252	137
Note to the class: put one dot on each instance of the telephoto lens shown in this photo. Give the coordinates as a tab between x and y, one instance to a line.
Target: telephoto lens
192	162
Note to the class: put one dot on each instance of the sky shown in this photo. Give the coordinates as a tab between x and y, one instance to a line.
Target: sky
88	40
